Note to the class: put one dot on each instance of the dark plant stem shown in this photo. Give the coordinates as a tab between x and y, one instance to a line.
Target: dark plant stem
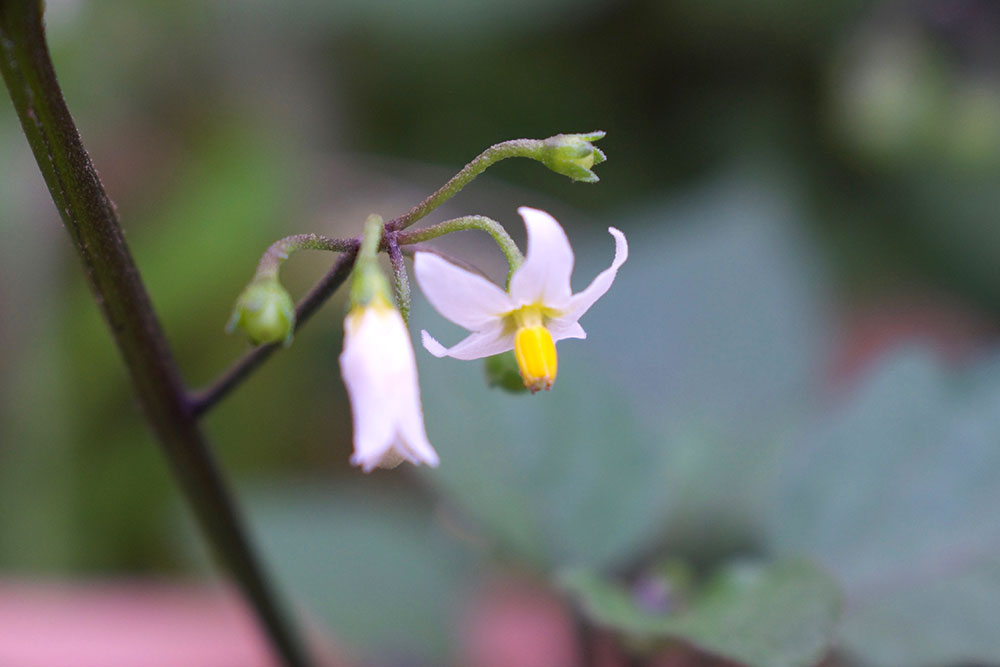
92	222
230	379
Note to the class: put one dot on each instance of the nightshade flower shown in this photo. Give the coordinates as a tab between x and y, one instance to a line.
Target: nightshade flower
380	372
538	309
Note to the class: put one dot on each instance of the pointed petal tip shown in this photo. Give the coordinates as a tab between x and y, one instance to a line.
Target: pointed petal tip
358	462
525	211
621	245
431	345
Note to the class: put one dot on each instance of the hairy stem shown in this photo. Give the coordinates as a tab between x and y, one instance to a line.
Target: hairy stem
92	222
400	281
278	252
507	246
529	148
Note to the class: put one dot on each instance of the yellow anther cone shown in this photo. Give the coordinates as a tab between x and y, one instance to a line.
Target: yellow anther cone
536	357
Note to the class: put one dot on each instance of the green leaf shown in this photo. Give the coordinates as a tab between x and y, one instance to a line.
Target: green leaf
951	620
565	477
372	564
715	327
774	616
897	494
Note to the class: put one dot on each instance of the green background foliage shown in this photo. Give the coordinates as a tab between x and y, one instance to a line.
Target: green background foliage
790	389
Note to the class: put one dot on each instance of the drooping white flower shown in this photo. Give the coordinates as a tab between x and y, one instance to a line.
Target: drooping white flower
538	309
380	372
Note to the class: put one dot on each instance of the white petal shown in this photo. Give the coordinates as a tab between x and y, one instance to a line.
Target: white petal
412	433
565	328
413	438
463	297
544	276
380	373
373	433
581	302
475	346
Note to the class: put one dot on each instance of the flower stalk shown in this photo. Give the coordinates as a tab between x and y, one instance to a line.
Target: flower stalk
276	254
507	246
400	281
571	155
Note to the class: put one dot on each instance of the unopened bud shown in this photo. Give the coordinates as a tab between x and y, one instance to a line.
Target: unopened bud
573	155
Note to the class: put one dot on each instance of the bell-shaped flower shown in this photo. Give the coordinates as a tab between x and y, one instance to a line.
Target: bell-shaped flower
538	309
380	372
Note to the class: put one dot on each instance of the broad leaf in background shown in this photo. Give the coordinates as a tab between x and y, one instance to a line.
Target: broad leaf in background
946	621
373	565
716	328
897	495
779	615
563	477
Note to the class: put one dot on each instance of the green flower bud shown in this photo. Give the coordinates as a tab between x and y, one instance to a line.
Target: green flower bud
573	155
502	372
265	311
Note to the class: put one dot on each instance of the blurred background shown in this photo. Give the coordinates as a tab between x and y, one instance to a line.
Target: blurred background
796	361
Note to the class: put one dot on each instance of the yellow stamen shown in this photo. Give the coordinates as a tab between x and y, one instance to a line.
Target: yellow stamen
536	357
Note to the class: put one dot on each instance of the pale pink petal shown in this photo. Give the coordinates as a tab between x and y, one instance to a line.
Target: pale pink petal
565	328
544	276
581	302
467	299
380	372
476	346
413	439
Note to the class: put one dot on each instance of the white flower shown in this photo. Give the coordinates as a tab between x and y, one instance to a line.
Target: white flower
380	372
538	310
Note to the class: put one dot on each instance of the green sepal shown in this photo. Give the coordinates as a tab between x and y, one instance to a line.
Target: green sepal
265	312
502	373
573	155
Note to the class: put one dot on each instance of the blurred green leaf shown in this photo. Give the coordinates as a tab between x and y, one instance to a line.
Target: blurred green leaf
716	329
952	620
897	494
774	616
371	563
562	477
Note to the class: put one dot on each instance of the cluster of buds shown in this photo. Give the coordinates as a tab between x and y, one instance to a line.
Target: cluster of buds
515	328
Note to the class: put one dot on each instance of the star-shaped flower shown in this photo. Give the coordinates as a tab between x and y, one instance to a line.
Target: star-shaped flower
538	309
